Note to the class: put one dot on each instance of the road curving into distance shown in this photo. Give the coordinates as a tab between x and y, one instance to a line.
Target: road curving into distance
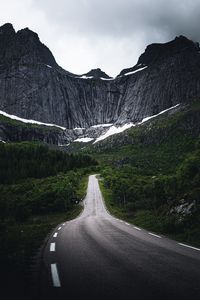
97	256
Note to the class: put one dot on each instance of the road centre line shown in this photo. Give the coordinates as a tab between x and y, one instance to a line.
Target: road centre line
55	276
52	247
189	246
154	235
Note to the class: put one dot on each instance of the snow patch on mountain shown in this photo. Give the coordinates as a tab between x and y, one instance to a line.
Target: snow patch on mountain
83	77
160	113
114	130
118	129
136	71
84	140
13	117
107	78
102	125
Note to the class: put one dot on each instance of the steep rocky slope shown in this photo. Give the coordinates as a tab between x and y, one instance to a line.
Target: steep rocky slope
33	86
14	129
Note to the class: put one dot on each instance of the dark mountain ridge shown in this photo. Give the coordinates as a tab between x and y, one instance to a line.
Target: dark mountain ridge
97	73
33	86
23	47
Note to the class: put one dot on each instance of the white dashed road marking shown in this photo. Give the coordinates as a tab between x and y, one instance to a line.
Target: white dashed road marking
55	234
154	235
59	228
55	276
137	228
52	247
189	246
126	223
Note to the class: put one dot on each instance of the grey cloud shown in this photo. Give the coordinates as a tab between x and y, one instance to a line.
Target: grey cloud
110	34
123	18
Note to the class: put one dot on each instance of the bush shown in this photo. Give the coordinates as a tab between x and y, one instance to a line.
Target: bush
39	196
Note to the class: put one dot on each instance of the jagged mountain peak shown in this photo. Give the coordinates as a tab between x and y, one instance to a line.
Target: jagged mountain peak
27	33
7	28
159	51
23	47
34	87
96	73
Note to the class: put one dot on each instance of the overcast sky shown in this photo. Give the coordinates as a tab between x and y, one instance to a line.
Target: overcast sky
110	34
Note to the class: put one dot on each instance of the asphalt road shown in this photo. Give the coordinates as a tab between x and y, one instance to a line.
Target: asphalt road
97	256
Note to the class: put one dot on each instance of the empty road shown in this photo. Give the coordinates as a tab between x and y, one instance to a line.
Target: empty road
97	256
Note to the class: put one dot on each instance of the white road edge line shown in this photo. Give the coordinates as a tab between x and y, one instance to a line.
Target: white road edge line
137	228
55	277
52	247
126	223
59	228
154	235
189	246
55	234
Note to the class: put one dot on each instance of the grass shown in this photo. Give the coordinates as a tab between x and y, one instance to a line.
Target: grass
150	169
20	242
152	220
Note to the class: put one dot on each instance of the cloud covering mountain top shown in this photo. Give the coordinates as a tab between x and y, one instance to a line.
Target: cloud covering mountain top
110	34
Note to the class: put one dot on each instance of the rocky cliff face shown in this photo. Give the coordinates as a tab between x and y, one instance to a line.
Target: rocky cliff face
33	86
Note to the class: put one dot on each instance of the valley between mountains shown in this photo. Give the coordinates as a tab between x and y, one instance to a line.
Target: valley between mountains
133	229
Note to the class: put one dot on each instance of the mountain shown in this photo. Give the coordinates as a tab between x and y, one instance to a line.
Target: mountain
97	74
34	86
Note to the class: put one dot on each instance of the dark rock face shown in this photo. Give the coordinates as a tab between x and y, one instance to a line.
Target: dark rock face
181	121
97	73
157	52
18	131
33	86
23	47
13	133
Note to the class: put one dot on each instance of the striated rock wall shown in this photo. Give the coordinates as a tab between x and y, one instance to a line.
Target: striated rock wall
33	86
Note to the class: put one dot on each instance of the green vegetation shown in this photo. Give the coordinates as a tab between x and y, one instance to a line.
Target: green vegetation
40	196
39	188
33	160
19	244
149	176
152	177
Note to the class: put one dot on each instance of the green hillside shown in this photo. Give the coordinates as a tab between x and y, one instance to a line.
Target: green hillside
151	174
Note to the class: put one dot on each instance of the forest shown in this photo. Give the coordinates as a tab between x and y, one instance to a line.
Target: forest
39	188
152	178
19	161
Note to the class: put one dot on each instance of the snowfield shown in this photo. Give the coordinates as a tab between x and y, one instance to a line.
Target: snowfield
118	129
133	72
84	140
111	129
13	117
102	125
